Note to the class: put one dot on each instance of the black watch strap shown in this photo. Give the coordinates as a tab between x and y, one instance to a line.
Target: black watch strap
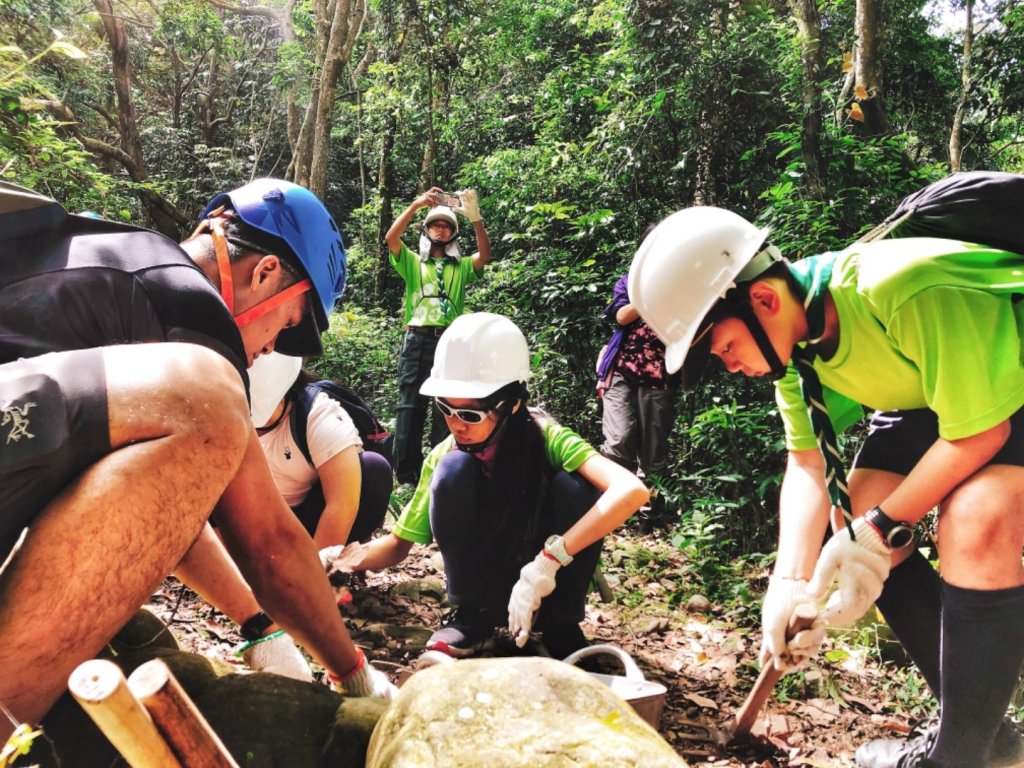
255	626
895	533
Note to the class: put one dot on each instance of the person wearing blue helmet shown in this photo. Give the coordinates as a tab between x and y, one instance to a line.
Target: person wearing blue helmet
125	424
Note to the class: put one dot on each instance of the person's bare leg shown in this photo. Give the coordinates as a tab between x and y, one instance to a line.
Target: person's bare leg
179	427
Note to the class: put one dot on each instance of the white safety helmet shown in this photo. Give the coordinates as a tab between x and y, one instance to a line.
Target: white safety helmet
688	262
442	213
270	377
477	355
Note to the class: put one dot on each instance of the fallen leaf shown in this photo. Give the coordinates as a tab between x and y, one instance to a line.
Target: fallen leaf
702	701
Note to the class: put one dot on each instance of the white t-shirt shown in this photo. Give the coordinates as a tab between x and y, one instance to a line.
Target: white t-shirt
329	431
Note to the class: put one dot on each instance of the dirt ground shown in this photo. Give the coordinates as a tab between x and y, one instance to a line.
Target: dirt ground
706	660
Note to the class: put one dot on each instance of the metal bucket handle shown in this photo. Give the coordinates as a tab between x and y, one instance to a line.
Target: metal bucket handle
628	665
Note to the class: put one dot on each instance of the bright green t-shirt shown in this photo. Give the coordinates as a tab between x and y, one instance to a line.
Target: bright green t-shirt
923	323
565	450
423	299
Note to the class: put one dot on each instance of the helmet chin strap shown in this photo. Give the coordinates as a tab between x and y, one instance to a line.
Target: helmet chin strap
764	344
227	282
503	417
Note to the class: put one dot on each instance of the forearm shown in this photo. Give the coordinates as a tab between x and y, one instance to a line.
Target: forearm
279	561
804	507
394	235
943	467
384	552
209	571
623	494
483	245
626	314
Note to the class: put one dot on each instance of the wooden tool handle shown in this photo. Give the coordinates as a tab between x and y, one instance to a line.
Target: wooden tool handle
99	686
803	618
182	725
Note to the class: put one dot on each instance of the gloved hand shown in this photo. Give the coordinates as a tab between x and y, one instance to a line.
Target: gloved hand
364	680
338	561
277	653
860	566
469	207
536	581
781	599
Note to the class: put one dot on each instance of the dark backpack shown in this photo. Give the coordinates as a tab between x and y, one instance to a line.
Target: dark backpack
985	207
374	436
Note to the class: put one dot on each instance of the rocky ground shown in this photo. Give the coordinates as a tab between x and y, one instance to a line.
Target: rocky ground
705	655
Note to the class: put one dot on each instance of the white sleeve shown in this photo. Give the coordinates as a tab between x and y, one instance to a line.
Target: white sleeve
329	430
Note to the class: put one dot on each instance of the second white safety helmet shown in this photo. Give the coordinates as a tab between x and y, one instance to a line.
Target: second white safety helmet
477	355
270	377
688	262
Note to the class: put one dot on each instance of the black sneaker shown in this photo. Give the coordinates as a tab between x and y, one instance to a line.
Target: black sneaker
464	631
1007	751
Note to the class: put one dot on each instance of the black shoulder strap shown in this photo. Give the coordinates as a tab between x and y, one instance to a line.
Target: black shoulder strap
298	419
370	430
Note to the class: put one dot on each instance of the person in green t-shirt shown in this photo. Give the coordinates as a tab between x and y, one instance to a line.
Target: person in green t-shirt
518	504
435	279
927	333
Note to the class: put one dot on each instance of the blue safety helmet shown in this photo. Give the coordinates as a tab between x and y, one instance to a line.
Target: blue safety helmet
296	216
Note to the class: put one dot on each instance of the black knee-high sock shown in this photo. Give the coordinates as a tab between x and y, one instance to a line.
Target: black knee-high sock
982	653
911	602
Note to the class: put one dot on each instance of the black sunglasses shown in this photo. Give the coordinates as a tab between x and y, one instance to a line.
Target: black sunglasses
468	415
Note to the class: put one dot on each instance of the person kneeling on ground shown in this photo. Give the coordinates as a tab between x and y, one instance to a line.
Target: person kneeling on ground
123	380
340	495
519	505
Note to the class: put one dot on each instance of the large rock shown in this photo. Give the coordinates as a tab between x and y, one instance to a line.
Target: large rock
513	712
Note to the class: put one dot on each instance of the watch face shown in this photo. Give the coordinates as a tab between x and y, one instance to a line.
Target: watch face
900	536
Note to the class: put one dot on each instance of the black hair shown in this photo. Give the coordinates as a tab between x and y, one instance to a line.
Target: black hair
521	470
726	307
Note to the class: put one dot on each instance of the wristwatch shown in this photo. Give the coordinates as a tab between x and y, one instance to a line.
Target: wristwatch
555	546
896	534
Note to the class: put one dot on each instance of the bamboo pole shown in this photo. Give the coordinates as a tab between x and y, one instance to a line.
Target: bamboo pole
179	721
100	688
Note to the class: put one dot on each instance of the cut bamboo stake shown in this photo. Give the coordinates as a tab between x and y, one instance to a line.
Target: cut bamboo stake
99	686
177	718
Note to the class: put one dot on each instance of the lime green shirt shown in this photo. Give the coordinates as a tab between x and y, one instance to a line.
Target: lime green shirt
565	450
423	305
923	323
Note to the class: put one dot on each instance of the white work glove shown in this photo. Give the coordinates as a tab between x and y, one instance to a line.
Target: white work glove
860	567
277	653
468	207
781	599
338	562
536	581
364	680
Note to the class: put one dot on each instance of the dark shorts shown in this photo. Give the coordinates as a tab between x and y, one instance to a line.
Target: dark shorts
53	425
897	440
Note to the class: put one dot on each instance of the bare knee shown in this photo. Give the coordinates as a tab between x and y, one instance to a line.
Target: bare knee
982	515
184	390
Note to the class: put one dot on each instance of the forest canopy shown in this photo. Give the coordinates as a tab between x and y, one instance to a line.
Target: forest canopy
578	122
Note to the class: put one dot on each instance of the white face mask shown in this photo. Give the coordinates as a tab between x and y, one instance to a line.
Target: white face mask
269	378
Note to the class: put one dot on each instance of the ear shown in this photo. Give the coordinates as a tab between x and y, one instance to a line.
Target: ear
765	295
265	272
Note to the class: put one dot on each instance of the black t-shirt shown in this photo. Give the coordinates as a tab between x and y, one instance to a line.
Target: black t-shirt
71	282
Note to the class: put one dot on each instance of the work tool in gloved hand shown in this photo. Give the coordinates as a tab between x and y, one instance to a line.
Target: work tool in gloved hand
737	729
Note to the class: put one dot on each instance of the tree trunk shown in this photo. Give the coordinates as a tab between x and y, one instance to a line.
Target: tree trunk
956	134
809	24
868	68
160	211
710	126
